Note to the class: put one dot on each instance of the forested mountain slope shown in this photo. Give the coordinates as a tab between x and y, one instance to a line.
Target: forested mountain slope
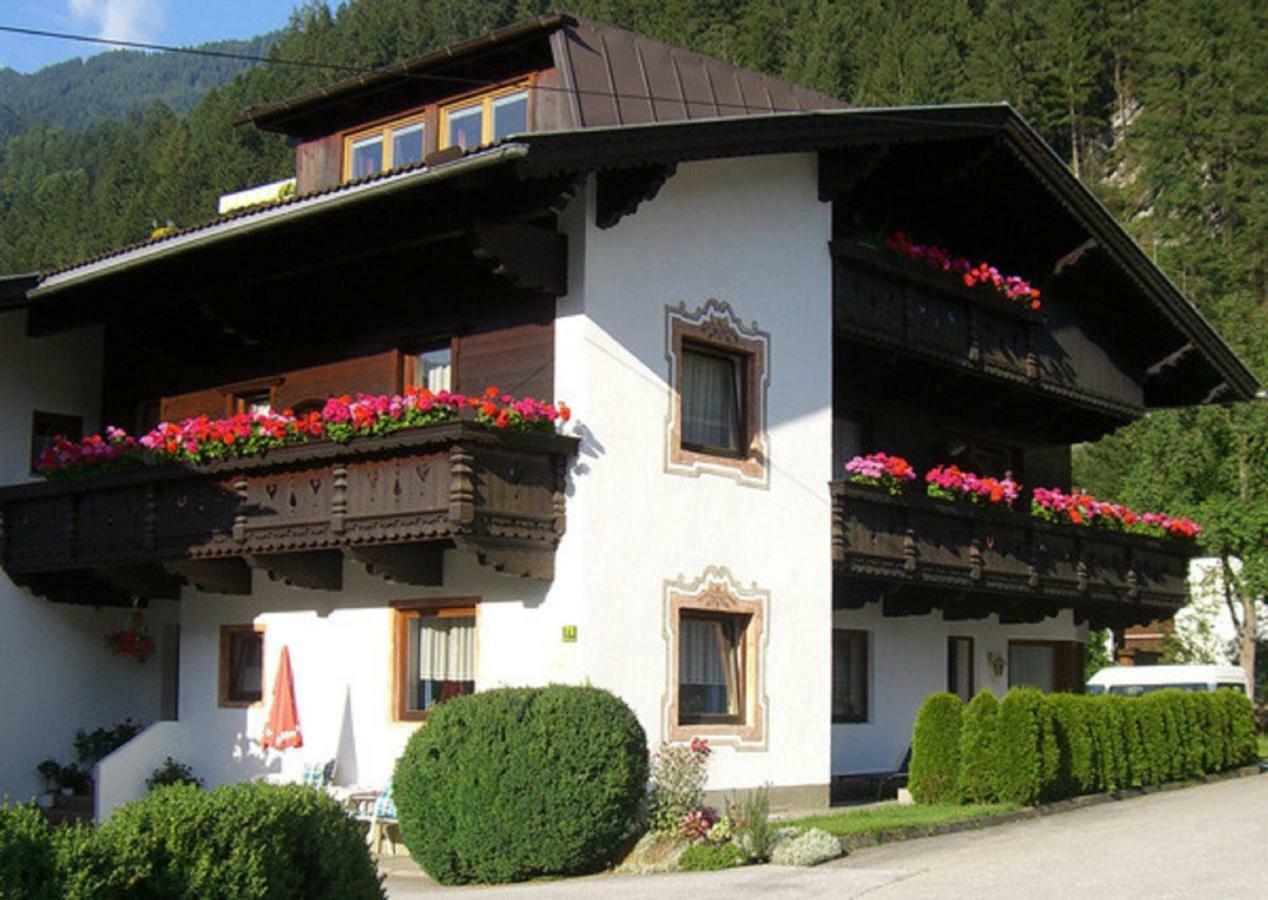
79	92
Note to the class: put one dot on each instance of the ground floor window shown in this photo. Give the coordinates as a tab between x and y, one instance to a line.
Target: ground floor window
435	656
1046	665
710	667
241	665
960	667
849	675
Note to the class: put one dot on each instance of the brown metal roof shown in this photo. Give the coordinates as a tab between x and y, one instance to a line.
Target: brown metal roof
608	76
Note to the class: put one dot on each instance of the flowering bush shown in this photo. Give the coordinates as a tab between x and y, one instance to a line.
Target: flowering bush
132	640
1080	508
698	824
678	774
1014	287
889	472
950	483
203	439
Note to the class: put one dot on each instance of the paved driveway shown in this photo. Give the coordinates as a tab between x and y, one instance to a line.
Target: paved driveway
1208	841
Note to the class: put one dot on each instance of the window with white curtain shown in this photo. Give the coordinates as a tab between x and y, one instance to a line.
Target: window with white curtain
438	662
433	369
960	667
712	392
1032	665
710	667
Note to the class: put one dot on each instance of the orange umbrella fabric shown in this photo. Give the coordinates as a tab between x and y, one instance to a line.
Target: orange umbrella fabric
282	732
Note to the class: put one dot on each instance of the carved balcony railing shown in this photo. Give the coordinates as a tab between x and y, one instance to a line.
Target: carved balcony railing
392	504
882	300
917	554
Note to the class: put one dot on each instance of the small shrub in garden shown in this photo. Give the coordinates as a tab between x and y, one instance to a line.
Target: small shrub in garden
811	847
515	783
1109	765
678	773
935	750
977	737
27	865
1134	747
1025	751
754	831
711	857
1242	744
172	772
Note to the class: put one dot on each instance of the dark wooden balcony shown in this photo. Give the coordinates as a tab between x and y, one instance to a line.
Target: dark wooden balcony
916	554
907	312
392	504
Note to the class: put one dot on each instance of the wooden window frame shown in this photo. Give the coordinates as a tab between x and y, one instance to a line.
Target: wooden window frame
741	622
56	423
224	701
409	362
715	328
403	613
1077	686
384	130
951	639
485	102
741	362
866	716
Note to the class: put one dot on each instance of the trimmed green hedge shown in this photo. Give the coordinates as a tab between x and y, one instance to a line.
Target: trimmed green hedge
27	857
1033	747
251	841
516	783
935	757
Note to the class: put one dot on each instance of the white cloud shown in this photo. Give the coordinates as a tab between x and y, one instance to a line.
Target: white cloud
125	20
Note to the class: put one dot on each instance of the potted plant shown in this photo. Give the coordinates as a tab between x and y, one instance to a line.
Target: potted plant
75	781
51	772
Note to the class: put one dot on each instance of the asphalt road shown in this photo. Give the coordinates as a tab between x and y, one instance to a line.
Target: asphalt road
1208	841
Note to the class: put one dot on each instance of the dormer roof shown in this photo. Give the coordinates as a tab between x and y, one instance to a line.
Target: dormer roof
603	76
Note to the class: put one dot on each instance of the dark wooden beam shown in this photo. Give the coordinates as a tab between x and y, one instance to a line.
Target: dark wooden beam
841	171
151	581
621	191
214	576
1170	361
320	570
419	564
1220	390
1074	256
528	256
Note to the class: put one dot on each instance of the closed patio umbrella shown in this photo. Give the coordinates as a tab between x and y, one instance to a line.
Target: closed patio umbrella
282	732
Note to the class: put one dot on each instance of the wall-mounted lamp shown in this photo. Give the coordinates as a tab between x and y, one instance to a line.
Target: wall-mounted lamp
997	663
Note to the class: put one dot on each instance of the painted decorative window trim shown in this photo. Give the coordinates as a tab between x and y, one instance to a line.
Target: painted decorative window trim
717	591
716	325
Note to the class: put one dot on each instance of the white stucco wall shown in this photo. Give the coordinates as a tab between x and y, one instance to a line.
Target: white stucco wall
908	662
752	233
55	673
342	656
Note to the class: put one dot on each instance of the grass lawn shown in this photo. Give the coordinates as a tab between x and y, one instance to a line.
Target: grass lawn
872	819
1263	746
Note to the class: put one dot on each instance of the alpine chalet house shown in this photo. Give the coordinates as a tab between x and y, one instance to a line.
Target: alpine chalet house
737	287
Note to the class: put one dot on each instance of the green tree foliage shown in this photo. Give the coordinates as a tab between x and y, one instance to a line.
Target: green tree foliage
935	750
1025	752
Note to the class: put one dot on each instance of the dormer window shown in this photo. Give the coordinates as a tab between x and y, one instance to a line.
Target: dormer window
389	146
483	120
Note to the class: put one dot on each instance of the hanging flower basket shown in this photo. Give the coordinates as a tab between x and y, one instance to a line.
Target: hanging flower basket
132	640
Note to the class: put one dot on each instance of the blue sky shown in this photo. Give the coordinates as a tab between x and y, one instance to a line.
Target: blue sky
177	22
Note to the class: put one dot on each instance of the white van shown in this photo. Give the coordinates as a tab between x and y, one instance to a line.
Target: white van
1132	681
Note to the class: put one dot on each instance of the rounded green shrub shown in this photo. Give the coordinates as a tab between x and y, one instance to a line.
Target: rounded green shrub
977	740
27	861
515	783
1135	748
935	750
249	840
711	857
1025	753
1240	712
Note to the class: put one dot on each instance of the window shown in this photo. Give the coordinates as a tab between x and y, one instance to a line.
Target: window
960	667
241	665
982	457
390	146
712	400
710	668
849	675
431	369
253	402
1046	665
484	120
46	428
717	384
435	655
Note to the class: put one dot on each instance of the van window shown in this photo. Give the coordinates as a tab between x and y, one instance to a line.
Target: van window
1136	690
